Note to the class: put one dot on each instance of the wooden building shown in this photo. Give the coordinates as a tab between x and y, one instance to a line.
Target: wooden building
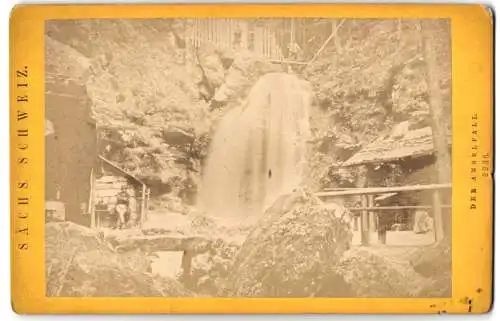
412	153
236	34
109	180
80	185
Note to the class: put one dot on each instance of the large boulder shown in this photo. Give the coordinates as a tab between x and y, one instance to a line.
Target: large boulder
434	263
79	262
292	249
371	274
210	270
434	260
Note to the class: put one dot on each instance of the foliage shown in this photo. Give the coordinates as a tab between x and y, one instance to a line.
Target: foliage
368	78
143	88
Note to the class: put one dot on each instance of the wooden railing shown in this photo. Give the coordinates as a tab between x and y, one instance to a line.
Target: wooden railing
382	190
368	209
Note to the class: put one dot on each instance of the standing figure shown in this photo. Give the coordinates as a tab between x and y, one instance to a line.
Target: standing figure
385	221
122	214
122	210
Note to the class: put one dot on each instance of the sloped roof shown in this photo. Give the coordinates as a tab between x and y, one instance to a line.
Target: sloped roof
118	168
402	144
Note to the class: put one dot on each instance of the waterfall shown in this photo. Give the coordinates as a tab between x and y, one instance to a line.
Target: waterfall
258	151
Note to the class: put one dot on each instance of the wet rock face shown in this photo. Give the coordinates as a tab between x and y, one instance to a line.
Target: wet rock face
240	77
292	249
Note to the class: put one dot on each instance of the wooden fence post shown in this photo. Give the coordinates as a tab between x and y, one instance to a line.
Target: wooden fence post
372	217
365	223
438	217
187	258
148	193
143	204
361	183
92	200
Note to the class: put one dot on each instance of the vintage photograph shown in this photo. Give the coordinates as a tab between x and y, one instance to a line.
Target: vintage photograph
281	158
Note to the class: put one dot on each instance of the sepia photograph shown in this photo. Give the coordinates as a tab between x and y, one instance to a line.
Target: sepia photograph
235	158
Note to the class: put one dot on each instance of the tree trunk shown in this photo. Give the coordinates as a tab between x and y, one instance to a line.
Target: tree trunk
439	130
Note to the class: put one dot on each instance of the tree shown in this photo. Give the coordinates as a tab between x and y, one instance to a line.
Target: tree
439	134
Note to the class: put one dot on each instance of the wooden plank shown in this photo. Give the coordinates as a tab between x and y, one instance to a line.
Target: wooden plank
291	62
110	186
226	32
143	204
196	33
244	34
187	259
438	216
381	190
335	29
200	31
329	189
194	244
217	33
365	223
107	193
371	213
391	208
212	27
361	183
92	200
148	193
209	31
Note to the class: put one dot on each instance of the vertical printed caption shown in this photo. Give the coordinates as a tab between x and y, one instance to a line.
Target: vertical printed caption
21	150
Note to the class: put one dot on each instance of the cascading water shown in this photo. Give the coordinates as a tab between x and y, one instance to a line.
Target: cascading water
259	149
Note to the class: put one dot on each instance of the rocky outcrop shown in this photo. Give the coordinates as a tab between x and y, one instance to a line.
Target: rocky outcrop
210	271
243	73
371	274
292	249
79	262
434	262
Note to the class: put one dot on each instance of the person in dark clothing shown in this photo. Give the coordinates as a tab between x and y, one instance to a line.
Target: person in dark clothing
122	210
385	221
122	214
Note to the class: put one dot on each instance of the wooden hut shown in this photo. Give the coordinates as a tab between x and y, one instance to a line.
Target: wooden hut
236	34
81	186
411	151
109	181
